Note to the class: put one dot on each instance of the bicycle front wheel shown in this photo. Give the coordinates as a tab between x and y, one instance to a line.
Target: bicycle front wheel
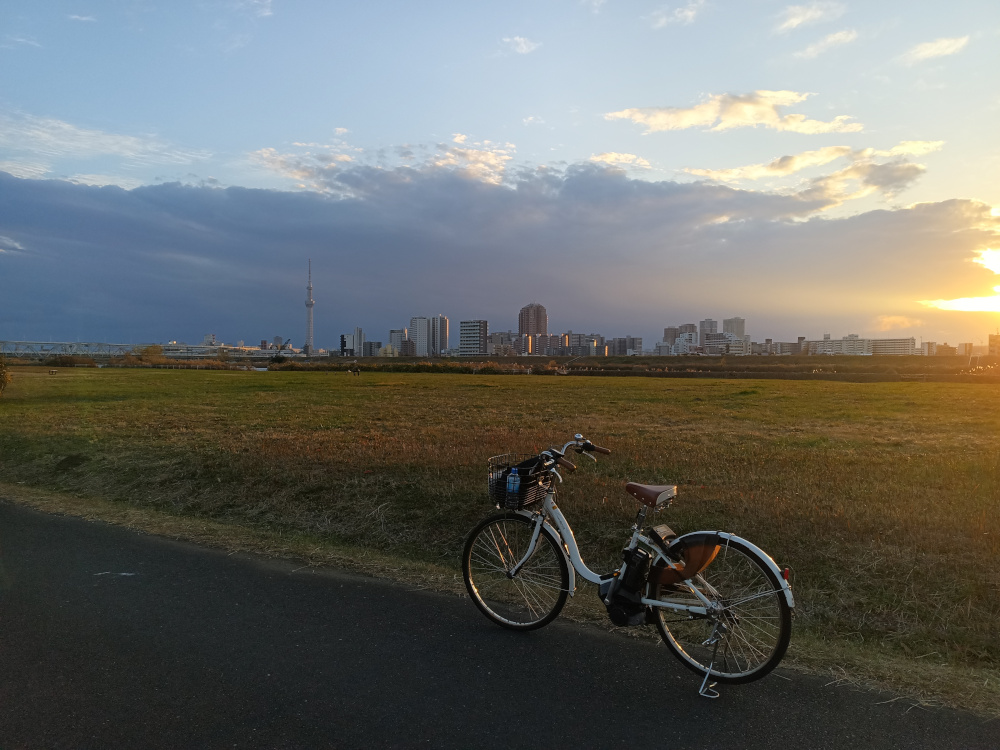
531	597
746	634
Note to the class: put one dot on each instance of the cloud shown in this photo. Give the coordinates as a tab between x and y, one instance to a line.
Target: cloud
795	16
46	139
88	19
620	160
780	167
683	15
533	120
895	322
827	43
937	48
860	180
322	171
11	42
8	245
520	45
727	111
392	243
255	8
864	175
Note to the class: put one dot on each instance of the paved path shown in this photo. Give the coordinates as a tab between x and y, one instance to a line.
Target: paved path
111	638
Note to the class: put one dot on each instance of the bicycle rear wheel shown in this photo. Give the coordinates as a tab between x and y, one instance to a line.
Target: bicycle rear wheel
531	598
747	634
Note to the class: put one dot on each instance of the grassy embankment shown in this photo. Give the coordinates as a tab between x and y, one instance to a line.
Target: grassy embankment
883	497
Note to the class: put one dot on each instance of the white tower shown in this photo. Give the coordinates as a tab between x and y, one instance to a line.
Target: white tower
308	348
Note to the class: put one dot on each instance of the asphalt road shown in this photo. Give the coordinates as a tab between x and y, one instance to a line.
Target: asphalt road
111	638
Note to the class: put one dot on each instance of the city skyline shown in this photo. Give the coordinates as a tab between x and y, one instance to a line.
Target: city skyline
826	167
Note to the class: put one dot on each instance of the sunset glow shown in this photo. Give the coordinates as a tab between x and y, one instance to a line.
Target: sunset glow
990	259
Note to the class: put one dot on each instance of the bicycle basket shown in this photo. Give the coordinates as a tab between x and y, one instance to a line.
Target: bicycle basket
517	481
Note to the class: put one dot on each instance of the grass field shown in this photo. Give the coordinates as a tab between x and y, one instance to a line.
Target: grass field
884	498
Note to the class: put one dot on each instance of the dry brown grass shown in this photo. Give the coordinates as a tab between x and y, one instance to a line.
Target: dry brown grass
883	497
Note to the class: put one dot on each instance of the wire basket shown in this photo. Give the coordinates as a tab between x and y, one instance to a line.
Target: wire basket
517	480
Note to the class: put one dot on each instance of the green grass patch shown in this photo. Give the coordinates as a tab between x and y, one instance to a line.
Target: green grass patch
882	497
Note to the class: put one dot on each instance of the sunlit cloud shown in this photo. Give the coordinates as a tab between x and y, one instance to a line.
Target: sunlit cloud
989	259
888	178
895	322
520	45
779	167
533	120
967	304
795	16
683	15
727	111
620	160
323	171
827	43
937	48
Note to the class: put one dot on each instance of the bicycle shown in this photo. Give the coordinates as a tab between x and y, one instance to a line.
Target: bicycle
721	604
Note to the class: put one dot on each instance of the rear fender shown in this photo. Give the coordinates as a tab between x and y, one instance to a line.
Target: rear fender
703	543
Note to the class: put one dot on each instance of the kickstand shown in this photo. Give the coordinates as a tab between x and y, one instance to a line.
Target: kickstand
707	689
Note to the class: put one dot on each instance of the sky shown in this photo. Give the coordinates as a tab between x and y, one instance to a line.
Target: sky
169	170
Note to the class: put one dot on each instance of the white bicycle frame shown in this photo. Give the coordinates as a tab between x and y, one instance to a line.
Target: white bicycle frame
549	515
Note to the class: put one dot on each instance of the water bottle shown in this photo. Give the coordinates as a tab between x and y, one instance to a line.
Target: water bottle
513	483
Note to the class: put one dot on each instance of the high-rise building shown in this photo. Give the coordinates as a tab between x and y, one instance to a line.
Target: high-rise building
347	345
994	344
670	335
420	335
532	320
707	326
735	326
396	338
308	348
688	328
472	335
439	335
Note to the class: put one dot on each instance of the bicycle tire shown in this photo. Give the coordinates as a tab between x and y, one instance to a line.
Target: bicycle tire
753	610
531	599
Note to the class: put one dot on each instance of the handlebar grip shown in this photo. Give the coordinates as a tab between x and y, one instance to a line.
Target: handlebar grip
565	464
599	449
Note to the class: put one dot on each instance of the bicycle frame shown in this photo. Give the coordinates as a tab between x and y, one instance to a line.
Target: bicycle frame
550	514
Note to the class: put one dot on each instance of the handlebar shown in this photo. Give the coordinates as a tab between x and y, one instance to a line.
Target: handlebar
580	444
565	464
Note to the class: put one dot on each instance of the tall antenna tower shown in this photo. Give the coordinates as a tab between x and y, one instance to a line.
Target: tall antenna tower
309	312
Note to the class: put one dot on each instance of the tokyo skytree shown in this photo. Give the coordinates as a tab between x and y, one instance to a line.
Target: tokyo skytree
308	348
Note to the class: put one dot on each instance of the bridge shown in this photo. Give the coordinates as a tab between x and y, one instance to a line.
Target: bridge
44	349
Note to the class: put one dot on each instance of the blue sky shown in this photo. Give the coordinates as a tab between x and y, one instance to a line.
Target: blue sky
816	167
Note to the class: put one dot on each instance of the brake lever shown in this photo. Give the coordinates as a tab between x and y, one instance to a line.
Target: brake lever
588	455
